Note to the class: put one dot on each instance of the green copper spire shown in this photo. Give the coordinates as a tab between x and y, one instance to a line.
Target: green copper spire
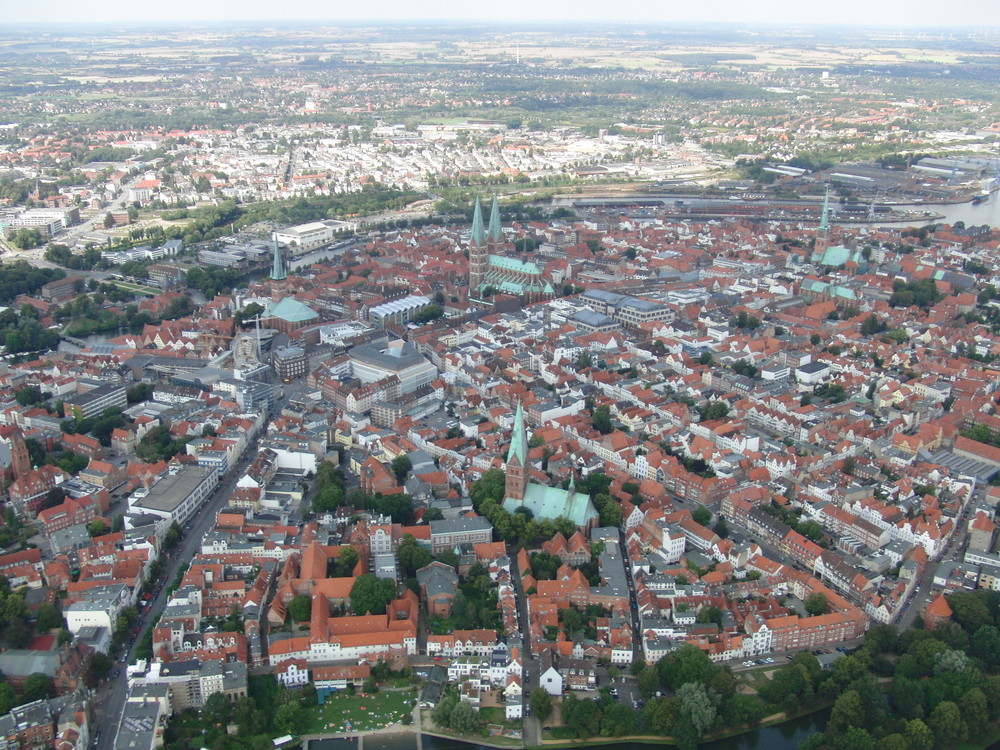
495	233
824	222
478	234
278	264
518	440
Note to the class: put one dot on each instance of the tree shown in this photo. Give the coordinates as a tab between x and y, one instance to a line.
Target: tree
289	718
649	683
715	410
697	710
401	466
985	646
173	536
139	392
48	617
601	419
974	712
28	395
346	562
8	698
98	668
702	515
300	608
947	725
817	604
918	735
856	738
371	594
97	527
721	527
848	711
412	555
217	709
541	704
441	715
37	686
427	314
709	614
687	664
491	486
464	718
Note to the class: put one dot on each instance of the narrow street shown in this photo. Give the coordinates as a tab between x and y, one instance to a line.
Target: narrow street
110	699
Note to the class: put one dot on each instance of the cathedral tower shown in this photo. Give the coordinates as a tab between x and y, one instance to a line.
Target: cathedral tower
278	277
479	254
517	459
20	459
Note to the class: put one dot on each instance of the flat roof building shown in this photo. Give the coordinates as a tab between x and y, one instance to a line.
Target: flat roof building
177	496
371	363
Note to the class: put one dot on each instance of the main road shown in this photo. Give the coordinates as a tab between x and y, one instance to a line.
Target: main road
110	699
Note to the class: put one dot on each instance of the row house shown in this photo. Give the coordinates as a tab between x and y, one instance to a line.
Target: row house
463	642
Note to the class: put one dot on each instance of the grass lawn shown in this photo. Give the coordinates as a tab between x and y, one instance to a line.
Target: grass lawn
359	713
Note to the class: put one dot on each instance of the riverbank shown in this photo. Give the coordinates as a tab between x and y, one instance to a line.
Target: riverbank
770	722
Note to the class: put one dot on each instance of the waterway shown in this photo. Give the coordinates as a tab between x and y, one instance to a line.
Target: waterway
785	736
987	212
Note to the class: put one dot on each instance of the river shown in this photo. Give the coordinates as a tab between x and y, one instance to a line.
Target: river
785	736
987	212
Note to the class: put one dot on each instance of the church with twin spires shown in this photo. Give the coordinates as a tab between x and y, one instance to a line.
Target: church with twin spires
493	271
544	502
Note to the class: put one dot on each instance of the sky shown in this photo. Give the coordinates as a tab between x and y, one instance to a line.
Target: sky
893	13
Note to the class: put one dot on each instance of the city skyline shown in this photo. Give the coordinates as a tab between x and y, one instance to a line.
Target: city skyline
978	14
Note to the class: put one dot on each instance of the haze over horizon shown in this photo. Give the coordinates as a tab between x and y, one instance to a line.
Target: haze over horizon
977	14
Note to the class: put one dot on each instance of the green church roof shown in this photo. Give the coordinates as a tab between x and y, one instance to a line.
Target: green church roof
553	502
503	263
835	255
290	310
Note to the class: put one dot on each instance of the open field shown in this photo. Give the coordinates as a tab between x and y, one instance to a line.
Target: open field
361	712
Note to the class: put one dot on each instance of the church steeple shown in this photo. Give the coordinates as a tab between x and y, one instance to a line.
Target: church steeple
478	233
517	459
822	241
278	264
824	222
495	232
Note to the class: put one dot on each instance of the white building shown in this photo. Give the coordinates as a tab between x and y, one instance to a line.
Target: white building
178	495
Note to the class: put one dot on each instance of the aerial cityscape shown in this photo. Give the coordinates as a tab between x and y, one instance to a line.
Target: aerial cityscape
412	384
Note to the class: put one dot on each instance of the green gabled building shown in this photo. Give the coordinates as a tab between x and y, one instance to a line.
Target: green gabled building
548	503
